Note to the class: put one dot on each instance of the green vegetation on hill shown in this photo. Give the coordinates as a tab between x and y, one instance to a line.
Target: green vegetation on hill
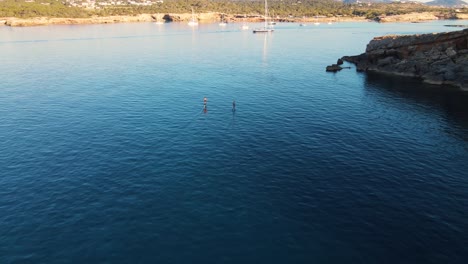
44	8
284	8
308	8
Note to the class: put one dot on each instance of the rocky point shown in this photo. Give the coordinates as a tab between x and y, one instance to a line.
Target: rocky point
439	58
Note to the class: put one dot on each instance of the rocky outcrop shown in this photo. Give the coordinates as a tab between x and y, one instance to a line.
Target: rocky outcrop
333	68
421	16
408	17
435	58
336	67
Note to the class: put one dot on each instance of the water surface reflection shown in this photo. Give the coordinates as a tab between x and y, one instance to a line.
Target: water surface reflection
451	103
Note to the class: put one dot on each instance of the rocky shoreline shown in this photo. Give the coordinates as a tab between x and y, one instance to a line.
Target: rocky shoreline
206	18
202	18
440	58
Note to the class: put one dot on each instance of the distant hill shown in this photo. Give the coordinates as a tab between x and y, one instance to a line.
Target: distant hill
449	3
366	1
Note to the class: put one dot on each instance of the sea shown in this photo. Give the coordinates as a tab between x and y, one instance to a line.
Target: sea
108	153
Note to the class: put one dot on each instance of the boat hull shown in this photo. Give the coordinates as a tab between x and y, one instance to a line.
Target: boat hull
263	30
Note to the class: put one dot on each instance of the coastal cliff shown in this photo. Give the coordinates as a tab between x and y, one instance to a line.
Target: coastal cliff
435	58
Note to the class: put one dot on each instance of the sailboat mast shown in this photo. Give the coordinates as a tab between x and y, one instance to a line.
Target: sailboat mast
266	14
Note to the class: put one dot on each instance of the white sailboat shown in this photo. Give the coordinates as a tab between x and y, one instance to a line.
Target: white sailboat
193	21
303	24
316	21
272	21
158	21
265	28
244	25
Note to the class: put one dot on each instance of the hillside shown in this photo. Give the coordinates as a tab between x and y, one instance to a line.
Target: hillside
282	10
448	3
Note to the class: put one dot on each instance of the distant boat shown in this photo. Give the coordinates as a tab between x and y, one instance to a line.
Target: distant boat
265	28
158	21
316	22
223	22
244	26
302	25
193	21
272	22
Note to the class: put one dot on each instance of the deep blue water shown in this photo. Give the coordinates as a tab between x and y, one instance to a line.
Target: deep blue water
107	156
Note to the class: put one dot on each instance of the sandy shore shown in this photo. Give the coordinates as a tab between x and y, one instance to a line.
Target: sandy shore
203	18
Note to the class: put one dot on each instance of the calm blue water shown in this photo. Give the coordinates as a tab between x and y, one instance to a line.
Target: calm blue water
107	156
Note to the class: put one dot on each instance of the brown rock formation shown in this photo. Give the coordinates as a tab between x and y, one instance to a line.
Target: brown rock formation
408	17
420	16
333	68
435	58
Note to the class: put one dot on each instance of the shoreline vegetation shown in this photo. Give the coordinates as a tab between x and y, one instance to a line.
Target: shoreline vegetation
53	12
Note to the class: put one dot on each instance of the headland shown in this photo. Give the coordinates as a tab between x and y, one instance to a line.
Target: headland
439	58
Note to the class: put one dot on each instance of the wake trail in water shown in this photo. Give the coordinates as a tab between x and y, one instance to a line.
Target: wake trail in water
233	121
